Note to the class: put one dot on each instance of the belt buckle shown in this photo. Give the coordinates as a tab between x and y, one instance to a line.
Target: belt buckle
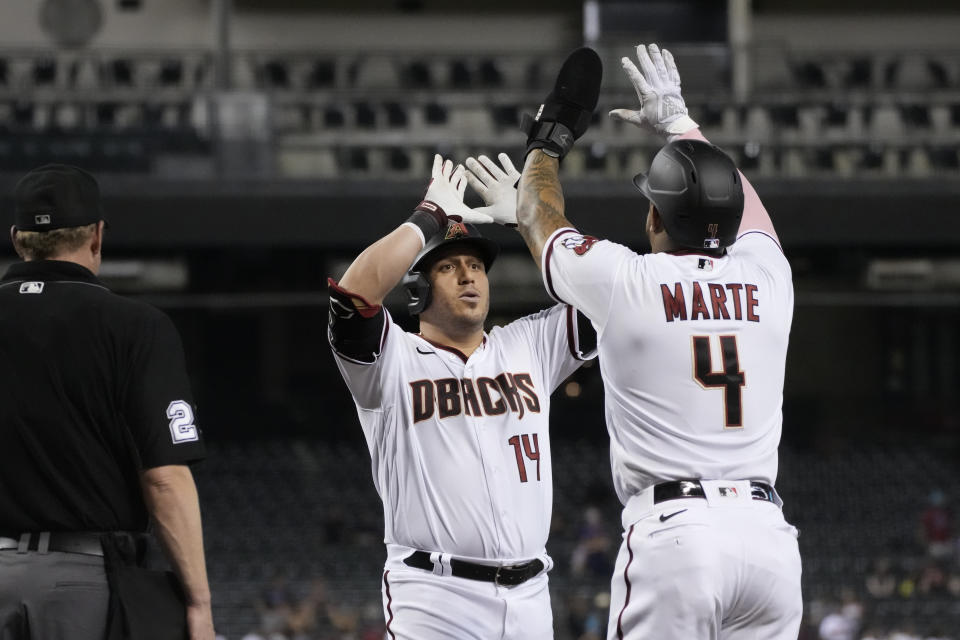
496	576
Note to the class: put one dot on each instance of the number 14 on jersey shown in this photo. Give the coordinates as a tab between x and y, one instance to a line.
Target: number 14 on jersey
526	445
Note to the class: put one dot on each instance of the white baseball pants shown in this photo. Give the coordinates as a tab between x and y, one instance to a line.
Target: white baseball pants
710	568
419	605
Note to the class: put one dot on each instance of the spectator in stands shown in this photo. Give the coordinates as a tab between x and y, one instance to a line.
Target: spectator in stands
837	626
873	633
371	622
936	524
905	632
587	615
345	619
275	607
843	622
933	580
309	619
591	556
881	583
953	584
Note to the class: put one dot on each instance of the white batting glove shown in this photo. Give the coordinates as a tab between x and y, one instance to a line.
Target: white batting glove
446	191
497	186
657	82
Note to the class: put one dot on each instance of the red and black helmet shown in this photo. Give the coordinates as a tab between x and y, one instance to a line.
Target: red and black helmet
416	282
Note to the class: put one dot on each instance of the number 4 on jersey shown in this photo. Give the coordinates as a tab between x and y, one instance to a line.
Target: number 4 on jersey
731	379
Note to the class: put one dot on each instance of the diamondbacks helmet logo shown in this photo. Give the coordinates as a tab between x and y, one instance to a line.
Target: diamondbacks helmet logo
456	230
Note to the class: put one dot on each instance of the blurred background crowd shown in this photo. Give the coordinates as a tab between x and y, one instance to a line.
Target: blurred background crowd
248	149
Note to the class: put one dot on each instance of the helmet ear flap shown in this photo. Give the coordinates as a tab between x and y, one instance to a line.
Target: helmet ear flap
417	287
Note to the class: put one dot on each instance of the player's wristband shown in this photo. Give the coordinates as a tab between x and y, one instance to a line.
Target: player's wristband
429	218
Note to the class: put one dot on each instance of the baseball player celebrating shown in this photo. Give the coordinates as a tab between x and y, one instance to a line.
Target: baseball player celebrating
692	343
456	419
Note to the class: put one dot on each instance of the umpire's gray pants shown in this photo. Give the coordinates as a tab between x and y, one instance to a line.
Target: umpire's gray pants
52	596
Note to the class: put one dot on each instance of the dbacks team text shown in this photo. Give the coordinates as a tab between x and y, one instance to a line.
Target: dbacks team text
484	396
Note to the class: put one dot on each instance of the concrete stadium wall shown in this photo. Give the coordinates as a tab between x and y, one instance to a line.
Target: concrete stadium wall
187	24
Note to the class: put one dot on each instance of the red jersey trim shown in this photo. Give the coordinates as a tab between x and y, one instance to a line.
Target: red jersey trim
386	585
763	233
626	580
368	310
547	276
453	350
376	356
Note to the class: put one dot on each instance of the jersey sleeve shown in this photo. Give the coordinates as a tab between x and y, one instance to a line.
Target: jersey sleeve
560	338
765	251
358	336
159	407
582	271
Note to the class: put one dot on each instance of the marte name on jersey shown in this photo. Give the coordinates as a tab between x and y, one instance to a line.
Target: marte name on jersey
484	396
720	302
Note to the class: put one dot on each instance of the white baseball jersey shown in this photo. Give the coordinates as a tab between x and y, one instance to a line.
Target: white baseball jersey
460	446
692	352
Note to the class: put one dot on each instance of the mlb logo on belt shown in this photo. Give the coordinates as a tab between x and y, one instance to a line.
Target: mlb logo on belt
728	492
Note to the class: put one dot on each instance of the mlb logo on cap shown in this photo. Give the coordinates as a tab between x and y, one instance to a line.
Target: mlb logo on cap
711	243
56	196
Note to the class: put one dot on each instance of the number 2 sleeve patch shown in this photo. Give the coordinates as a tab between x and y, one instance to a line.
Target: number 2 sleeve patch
159	408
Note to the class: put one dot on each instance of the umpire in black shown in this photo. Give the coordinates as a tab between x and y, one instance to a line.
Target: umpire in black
96	429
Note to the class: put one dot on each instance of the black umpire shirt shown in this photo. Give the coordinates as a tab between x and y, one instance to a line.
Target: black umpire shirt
93	389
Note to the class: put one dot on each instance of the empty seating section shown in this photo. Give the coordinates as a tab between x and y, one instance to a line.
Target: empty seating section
308	510
344	115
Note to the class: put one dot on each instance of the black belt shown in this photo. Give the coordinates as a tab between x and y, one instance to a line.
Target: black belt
693	489
505	576
85	542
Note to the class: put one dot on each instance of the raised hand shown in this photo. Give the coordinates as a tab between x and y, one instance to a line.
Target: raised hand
447	186
657	83
496	184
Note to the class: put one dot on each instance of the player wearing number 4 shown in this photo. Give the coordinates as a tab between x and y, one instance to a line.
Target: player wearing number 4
693	342
456	419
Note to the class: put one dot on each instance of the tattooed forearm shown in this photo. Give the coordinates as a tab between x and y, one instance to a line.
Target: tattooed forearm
540	201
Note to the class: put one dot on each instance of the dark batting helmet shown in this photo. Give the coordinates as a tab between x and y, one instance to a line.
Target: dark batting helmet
697	190
417	282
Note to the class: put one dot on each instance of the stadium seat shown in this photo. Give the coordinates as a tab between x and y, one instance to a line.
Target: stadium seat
886	124
376	73
490	75
461	77
322	75
417	75
435	114
365	115
396	114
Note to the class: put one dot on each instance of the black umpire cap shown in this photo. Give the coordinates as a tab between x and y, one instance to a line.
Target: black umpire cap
56	196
